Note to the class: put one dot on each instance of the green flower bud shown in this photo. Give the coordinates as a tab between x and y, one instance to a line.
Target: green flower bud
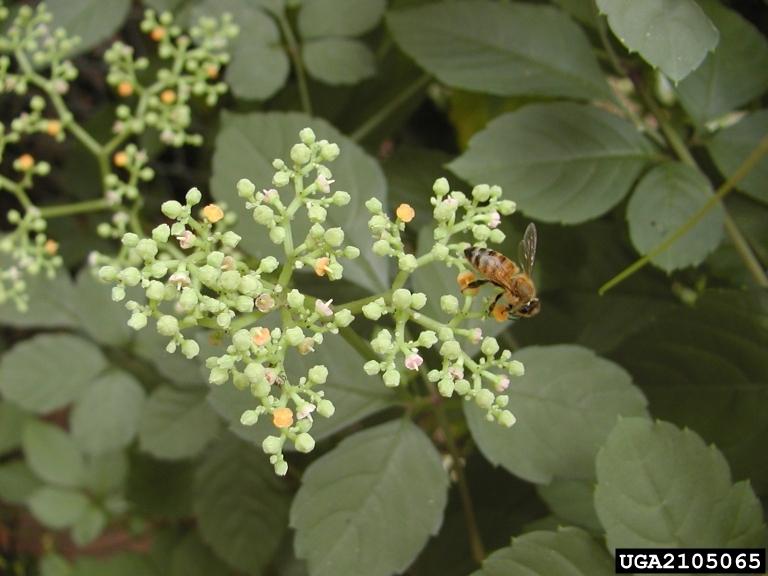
461	387
167	325
277	234
137	321
343	318
281	179
188	299
391	378
300	153
441	187
371	367
304	442
250	285
490	346
307	135
254	371
381	248
374	206
294	335
224	319
295	299
440	251
158	270
155	291
193	196
318	374
506	207
272	445
261	388
481	192
230	239
484	399
281	468
502	401
130	239
372	311
506	418
229	280
407	263
190	348
330	152
450	350
244	304
443	212
351	252
449	304
263	215
242	340
218	376
245	188
147	249
161	233
445	333
108	273
317	213
497	236
130	276
118	293
249	418
516	368
325	408
418	300
341	198
208	275
445	387
378	223
334	236
382	343
401	298
171	209
268	264
481	232
427	339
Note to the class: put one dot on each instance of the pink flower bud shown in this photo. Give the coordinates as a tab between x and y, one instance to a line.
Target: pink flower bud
413	362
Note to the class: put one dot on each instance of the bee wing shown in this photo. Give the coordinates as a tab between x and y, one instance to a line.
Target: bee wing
526	250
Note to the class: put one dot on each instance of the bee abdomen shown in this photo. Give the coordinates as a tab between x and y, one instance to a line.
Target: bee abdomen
476	255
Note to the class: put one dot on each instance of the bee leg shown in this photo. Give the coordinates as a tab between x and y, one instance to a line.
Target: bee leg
495	301
476	283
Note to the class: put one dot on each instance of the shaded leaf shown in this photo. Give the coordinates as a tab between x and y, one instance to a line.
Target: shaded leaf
50	302
159	488
338	61
192	557
12	421
56	507
319	18
560	162
582	10
106	417
368	506
506	49
51	454
150	345
90	525
664	200
105	321
17	482
658	486
572	500
49	371
177	423
732	75
245	148
241	506
673	35
731	147
566	403
568	551
94	21
124	564
106	473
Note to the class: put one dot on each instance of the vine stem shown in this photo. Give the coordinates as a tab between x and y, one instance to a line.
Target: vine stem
294	54
724	189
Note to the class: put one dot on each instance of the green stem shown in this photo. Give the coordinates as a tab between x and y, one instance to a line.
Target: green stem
724	189
370	125
743	249
295	56
48	212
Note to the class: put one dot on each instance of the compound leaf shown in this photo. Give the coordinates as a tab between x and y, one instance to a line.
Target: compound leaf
56	507
319	18
51	454
92	20
338	61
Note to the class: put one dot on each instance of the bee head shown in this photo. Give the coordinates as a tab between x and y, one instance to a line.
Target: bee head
530	308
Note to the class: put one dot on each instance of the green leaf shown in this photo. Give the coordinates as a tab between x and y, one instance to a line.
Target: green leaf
241	506
54	564
245	148
732	75
731	147
51	454
125	564
90	525
560	162
369	505
106	473
572	500
105	322
94	21
319	18
47	372
568	551
12	421
17	482
192	557
50	301
565	405
259	66
338	61
58	508
673	35
508	49
106	417
705	368
582	10
177	423
662	202
159	488
658	486
150	345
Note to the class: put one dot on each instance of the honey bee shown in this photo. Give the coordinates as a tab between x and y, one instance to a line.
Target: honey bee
519	290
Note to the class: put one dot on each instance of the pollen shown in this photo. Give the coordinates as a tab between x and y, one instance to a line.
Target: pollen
51	247
464	278
120	158
53	128
26	161
405	212
212	72
500	313
125	89
157	34
213	213
168	96
282	417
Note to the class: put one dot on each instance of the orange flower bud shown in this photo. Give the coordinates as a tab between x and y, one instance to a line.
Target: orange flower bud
120	158
125	89
168	96
405	212
321	266
282	417
53	128
26	161
213	213
500	313
157	34
212	72
51	247
260	336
